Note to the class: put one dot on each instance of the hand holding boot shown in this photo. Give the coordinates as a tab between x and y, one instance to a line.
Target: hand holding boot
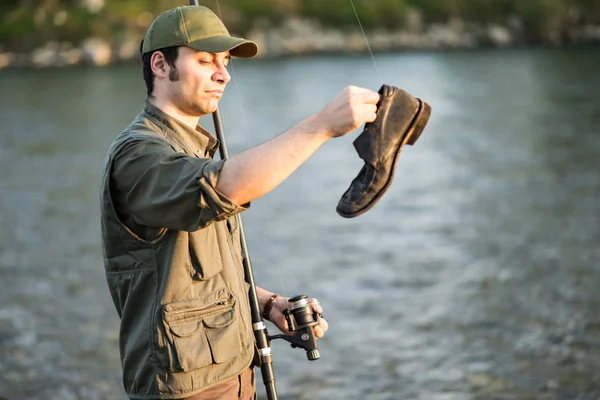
350	109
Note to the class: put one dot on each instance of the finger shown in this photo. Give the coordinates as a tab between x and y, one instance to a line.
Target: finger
316	306
324	325
319	332
370	97
370	112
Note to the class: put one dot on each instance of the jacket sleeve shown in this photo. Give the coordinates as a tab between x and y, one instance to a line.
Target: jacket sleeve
162	188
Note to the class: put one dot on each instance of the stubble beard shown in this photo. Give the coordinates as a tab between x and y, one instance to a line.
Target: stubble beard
187	102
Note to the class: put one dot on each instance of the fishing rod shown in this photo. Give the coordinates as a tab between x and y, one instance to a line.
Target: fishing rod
299	315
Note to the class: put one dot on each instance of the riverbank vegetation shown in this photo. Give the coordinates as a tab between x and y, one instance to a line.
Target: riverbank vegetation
65	25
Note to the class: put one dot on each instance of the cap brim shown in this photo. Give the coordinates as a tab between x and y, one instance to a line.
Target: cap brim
237	47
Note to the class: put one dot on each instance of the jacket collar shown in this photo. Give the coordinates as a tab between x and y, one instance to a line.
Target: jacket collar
197	141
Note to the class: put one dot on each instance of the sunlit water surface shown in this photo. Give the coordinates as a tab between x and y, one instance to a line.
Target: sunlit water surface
475	277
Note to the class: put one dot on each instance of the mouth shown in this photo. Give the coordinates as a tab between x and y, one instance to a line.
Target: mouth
216	92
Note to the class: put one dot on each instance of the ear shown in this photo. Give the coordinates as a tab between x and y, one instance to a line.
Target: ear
159	66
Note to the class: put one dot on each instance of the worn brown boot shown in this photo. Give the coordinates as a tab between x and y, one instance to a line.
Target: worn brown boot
400	120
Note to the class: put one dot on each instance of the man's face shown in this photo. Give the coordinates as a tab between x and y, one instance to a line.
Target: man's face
197	82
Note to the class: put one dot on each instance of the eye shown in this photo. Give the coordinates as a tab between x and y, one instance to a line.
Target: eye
202	61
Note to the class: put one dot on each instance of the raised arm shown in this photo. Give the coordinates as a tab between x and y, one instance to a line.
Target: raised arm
255	172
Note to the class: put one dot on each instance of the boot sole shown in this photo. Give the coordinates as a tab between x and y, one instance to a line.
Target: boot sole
413	133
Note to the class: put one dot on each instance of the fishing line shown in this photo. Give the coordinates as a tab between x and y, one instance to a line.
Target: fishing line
249	143
366	41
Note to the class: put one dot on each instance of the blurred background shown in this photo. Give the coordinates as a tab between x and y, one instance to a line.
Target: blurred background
71	32
475	277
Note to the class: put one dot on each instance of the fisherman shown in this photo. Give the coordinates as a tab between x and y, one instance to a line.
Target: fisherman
171	243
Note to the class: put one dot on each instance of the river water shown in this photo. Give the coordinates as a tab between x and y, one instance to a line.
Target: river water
477	275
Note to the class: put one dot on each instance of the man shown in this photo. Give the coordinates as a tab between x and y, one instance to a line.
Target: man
171	242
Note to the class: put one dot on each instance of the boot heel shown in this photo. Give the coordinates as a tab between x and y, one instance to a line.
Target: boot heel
419	122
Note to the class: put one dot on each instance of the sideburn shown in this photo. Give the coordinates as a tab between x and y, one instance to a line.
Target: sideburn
173	74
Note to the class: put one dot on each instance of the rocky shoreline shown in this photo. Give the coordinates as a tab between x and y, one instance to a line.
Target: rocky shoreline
298	36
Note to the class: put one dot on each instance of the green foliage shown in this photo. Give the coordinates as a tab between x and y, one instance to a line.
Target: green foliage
18	23
27	23
543	18
341	13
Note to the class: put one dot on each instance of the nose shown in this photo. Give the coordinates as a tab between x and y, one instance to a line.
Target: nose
221	75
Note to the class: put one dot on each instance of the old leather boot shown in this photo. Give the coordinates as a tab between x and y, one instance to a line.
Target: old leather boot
400	120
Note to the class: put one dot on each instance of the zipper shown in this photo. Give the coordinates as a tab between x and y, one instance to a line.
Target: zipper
213	308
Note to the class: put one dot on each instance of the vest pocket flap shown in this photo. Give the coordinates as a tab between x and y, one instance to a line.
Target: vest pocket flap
223	336
186	328
202	331
221	320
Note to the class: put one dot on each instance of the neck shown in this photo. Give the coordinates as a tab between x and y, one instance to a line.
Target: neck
172	111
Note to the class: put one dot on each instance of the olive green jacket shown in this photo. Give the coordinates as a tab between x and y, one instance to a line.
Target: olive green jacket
173	260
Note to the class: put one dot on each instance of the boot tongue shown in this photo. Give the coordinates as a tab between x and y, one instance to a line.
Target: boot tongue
366	147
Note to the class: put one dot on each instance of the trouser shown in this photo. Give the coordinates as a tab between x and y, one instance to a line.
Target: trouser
242	387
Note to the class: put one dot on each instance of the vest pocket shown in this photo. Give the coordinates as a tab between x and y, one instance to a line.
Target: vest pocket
202	333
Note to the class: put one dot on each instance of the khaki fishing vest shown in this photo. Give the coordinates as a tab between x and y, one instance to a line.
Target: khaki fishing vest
181	296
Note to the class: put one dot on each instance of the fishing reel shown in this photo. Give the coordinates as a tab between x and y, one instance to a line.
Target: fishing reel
301	319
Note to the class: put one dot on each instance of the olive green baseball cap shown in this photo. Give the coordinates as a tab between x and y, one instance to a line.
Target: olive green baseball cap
196	27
